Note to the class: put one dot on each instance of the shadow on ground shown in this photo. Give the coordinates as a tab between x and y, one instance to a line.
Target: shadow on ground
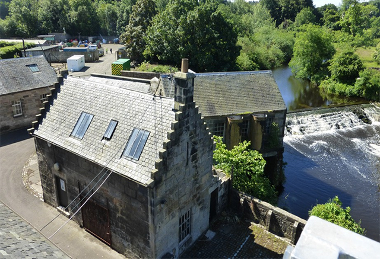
233	239
13	137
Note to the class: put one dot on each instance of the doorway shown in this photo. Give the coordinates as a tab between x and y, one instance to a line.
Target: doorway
62	192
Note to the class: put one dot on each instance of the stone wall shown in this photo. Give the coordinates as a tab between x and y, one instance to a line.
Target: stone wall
183	179
30	103
276	220
126	201
139	74
62	56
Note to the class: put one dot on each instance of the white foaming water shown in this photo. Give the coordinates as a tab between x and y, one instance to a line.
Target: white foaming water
332	152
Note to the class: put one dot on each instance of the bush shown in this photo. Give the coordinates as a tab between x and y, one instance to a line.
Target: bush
11	50
147	67
247	167
333	212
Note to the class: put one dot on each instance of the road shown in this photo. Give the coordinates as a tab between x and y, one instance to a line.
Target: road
15	149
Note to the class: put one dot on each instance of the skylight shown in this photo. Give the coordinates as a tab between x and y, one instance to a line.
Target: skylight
82	125
33	67
111	128
136	143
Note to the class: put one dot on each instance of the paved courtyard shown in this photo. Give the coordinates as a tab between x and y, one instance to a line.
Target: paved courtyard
18	239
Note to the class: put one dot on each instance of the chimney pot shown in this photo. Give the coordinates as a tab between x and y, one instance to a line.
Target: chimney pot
185	65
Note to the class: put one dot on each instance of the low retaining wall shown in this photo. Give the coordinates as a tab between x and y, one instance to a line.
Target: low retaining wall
275	220
139	74
62	56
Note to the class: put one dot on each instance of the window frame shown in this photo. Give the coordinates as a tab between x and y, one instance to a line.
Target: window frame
110	130
17	108
184	226
34	68
82	125
43	98
136	143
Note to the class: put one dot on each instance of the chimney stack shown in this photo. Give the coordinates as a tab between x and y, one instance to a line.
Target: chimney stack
185	65
184	84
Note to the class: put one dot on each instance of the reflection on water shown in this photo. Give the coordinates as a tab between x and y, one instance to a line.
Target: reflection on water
299	94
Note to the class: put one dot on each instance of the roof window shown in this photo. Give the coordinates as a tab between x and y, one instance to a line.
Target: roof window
33	67
136	143
82	125
110	129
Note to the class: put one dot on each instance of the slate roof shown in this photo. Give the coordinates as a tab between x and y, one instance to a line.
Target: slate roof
15	76
131	109
122	83
221	94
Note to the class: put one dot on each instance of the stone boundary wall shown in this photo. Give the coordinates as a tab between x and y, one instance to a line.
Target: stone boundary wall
62	56
138	74
274	219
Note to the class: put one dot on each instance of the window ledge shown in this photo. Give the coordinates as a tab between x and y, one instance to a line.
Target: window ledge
18	115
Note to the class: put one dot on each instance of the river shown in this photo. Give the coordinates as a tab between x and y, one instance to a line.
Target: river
330	152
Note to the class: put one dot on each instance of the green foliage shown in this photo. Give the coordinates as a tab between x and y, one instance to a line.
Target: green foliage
139	21
273	140
345	67
312	50
305	16
247	167
146	67
376	55
268	48
107	14
11	50
333	212
195	30
368	84
83	18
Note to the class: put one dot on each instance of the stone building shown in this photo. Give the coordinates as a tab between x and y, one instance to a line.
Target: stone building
242	106
143	161
24	86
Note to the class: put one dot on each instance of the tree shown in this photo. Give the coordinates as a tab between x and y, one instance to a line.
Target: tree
83	18
133	37
333	212
53	15
305	16
345	67
331	18
194	30
312	50
24	13
246	167
107	15
124	10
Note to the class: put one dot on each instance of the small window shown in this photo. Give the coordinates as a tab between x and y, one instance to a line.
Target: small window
136	143
184	226
218	129
17	108
244	128
43	98
268	125
33	67
82	125
110	129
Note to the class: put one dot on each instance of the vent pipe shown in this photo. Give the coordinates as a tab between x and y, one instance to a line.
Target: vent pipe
185	65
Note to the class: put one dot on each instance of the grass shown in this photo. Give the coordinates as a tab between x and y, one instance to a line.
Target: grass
365	55
268	240
147	67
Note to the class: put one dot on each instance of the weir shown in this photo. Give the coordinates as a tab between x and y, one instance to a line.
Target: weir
334	151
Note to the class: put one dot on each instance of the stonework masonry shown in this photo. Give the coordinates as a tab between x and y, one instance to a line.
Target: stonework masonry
30	103
275	220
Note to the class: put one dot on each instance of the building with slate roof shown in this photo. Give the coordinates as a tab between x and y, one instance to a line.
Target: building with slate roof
143	162
24	85
242	106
